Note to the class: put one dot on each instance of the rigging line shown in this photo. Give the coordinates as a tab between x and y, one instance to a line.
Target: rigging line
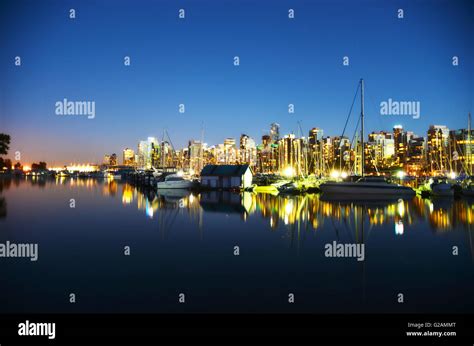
350	111
347	119
355	132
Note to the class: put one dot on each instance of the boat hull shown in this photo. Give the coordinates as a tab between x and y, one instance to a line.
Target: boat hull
360	190
175	185
266	189
442	190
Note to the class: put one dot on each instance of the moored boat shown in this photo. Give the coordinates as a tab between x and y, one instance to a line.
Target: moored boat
266	189
440	187
367	186
174	181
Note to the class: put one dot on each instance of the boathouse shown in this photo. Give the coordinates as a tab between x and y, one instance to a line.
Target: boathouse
226	176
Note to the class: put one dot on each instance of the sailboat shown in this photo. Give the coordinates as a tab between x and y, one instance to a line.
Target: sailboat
366	186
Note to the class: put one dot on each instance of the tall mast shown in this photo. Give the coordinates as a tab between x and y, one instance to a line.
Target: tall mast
362	125
469	143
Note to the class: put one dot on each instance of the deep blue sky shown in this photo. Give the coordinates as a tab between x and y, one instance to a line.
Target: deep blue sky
190	61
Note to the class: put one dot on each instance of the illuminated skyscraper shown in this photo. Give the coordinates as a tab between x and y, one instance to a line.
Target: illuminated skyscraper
230	151
437	148
400	145
380	151
267	156
462	147
248	150
315	151
128	157
195	152
416	156
148	153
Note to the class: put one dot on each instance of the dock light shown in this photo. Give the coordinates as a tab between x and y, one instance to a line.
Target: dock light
343	175
401	174
452	175
289	172
335	174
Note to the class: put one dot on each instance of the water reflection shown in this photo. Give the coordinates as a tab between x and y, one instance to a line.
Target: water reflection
308	211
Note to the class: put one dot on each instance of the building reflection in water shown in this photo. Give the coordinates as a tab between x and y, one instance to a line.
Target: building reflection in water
311	212
307	211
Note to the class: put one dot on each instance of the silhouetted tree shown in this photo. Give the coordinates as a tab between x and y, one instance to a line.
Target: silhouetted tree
4	143
38	166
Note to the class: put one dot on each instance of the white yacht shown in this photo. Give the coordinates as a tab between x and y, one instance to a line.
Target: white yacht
367	186
175	181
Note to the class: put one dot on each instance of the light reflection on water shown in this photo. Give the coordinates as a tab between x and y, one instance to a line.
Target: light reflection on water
309	211
282	239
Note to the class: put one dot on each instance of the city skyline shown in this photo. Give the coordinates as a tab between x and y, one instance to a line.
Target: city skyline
118	157
299	62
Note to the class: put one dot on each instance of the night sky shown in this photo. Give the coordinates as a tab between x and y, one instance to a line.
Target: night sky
190	61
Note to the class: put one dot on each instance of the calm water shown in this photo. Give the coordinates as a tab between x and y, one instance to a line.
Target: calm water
182	242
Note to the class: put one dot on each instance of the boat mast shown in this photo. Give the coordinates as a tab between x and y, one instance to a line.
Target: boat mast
362	125
469	143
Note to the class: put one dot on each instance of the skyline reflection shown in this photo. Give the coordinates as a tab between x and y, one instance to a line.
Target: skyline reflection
309	210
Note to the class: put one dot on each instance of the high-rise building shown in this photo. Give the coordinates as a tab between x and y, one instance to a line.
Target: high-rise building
291	155
248	150
437	148
342	153
166	157
275	132
113	160
315	151
462	150
416	156
400	140
110	160
148	153
106	160
380	151
267	156
128	157
196	156
328	152
230	151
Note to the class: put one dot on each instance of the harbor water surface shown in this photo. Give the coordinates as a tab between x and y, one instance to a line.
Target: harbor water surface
183	242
